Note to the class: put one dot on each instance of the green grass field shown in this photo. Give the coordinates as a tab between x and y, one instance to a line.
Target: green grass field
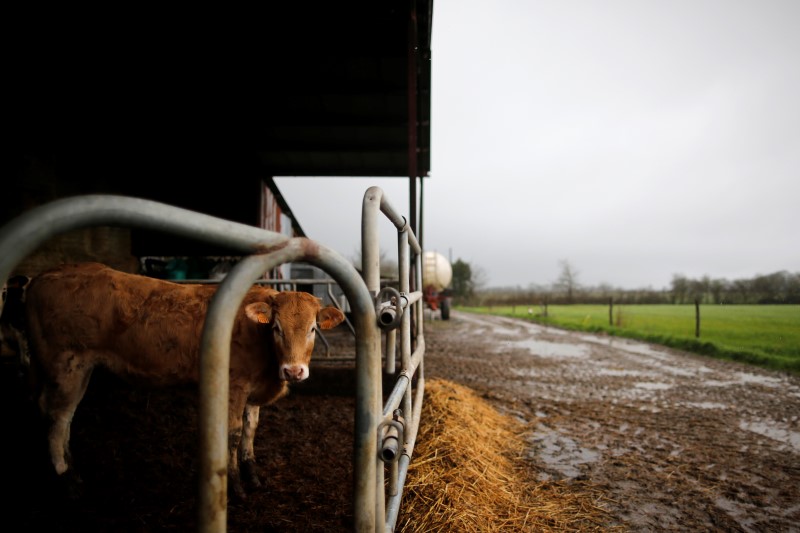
764	335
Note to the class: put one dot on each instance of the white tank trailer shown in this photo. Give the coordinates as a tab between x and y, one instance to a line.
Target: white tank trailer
436	277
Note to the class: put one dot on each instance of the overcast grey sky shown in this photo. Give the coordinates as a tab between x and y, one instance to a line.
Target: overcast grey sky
635	139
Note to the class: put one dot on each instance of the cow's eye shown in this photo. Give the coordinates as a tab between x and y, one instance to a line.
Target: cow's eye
312	330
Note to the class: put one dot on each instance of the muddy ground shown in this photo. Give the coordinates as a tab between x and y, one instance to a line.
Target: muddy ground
676	442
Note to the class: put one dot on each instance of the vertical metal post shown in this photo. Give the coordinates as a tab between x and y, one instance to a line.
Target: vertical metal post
370	465
420	231
391	349
413	54
405	322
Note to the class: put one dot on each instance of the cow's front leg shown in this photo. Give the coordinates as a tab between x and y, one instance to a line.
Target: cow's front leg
249	470
236	407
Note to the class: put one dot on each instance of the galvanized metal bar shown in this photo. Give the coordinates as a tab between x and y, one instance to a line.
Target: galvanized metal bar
403	392
420	308
413	298
292	281
370	245
374	199
394	479
405	326
214	390
216	346
413	429
215	356
390	364
402	385
397	394
409	280
404	269
27	232
368	380
393	505
370	267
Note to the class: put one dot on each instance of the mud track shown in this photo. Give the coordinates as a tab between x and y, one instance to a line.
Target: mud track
678	442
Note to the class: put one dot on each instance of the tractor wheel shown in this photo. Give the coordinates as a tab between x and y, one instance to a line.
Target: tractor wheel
446	309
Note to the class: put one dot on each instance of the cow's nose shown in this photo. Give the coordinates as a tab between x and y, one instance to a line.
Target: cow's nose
294	372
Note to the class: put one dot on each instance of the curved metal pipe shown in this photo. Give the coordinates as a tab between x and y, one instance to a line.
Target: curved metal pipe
215	359
25	233
390	313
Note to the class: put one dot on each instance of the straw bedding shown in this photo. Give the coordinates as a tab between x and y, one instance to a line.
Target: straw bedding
469	474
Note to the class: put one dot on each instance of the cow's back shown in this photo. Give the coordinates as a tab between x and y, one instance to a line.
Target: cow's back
134	325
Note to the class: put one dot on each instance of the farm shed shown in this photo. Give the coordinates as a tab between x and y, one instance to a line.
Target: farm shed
202	113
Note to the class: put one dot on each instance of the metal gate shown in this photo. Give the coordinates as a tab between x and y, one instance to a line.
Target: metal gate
385	432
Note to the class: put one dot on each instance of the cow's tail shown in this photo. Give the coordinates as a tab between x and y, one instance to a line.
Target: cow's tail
14	330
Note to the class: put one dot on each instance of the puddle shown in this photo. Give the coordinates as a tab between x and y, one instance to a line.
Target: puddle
736	511
654	357
704	405
648	385
622	373
560	453
552	349
499	330
745	378
771	430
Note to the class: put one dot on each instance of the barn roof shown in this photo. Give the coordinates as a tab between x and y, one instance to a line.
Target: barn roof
342	106
193	108
314	88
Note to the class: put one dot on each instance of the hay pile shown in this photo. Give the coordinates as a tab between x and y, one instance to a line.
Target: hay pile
468	474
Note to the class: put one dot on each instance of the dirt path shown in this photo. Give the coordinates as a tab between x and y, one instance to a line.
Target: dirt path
678	441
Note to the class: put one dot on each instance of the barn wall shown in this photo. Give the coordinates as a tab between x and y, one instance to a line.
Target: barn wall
39	175
220	182
111	246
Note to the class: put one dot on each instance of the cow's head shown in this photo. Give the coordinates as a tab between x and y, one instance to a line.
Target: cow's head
294	318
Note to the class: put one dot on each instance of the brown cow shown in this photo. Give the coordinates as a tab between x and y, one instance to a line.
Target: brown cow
148	331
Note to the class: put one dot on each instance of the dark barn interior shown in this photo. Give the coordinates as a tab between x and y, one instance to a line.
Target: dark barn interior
196	113
198	110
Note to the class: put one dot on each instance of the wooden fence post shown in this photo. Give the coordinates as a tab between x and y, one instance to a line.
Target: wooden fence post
610	310
697	318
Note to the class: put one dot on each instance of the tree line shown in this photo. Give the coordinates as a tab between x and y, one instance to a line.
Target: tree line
780	287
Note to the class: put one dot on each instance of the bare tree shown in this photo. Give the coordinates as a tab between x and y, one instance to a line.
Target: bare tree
388	265
680	288
568	279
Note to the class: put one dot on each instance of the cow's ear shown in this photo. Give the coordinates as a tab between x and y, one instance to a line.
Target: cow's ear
260	312
329	317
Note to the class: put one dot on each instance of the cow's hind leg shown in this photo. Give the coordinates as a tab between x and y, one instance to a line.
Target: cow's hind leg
58	401
248	467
